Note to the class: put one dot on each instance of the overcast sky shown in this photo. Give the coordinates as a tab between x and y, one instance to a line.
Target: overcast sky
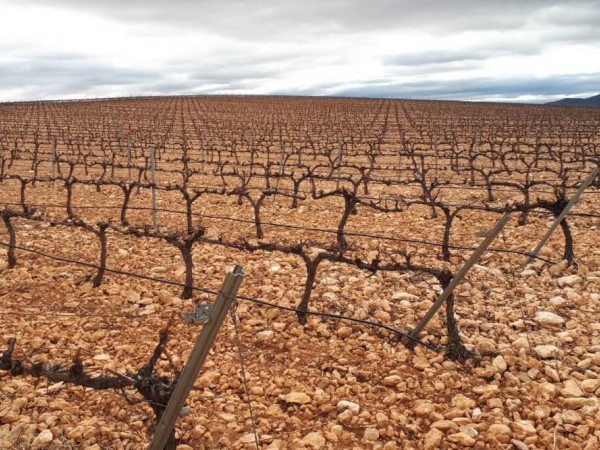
516	50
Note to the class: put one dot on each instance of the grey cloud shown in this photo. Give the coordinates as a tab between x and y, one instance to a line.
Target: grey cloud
478	88
291	19
572	14
509	46
434	57
60	74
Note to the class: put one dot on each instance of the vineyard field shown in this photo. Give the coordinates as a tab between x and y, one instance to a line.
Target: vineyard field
349	217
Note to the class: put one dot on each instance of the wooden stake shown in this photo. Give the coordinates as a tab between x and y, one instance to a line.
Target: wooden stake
337	185
562	215
53	157
202	151
129	155
199	353
460	275
281	161
153	181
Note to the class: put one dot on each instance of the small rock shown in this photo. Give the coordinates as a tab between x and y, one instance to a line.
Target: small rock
277	444
247	438
53	388
584	363
344	332
445	425
207	378
580	402
548	318
299	398
552	374
485	389
486	346
133	297
462	438
314	440
404	296
547	389
547	351
391	380
371	434
381	419
330	296
145	301
591	385
42	439
592	443
571	295
329	281
227	417
571	389
470	431
433	439
571	417
524	377
558	269
345	404
499	429
523	428
519	445
423	408
266	335
10	417
383	316
521	342
569	280
257	390
500	364
212	233
279	326
463	403
345	417
557	301
420	362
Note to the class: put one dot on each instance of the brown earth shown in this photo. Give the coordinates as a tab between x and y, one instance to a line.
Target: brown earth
533	381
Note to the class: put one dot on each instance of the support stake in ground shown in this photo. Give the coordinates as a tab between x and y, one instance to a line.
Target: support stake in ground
153	180
199	353
458	278
562	215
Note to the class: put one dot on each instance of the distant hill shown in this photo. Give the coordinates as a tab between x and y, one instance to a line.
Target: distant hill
591	101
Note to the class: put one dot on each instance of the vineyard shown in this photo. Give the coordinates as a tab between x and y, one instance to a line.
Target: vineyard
350	218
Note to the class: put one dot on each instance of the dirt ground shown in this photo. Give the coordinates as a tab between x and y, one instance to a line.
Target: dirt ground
533	381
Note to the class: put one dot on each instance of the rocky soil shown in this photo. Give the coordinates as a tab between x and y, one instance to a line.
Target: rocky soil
533	383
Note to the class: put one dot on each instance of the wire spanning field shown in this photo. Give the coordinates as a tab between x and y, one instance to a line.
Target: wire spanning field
120	215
